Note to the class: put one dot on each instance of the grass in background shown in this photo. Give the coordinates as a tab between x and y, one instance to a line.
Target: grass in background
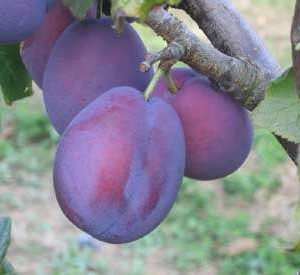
274	3
270	156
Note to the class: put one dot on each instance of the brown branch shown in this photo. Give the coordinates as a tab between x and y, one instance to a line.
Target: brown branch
170	55
238	76
230	33
295	40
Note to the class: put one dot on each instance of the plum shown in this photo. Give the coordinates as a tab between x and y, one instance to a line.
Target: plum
19	19
50	4
36	49
119	165
88	59
218	131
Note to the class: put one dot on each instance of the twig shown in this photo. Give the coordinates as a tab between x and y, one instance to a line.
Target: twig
173	52
295	40
237	76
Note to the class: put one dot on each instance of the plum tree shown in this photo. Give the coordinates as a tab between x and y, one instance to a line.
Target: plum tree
87	60
218	131
119	165
36	49
19	19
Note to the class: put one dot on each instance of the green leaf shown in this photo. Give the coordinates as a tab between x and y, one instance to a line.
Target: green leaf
7	269
5	228
279	112
79	8
15	81
138	8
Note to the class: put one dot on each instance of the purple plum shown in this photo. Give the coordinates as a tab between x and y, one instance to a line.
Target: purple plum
119	165
218	131
36	49
20	18
88	59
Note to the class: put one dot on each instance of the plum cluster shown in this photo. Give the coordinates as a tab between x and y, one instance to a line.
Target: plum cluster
121	158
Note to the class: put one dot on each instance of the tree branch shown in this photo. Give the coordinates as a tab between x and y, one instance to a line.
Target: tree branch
229	32
238	76
295	40
170	55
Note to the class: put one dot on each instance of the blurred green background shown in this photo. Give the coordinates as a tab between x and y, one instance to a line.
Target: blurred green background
237	225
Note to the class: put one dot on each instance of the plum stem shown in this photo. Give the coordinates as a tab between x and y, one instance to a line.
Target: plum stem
99	9
152	84
119	22
171	84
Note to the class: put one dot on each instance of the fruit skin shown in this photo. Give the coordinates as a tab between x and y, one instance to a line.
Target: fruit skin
19	19
50	4
87	60
119	165
218	131
36	49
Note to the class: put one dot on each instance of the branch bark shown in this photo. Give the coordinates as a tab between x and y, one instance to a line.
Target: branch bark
238	76
230	33
295	40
